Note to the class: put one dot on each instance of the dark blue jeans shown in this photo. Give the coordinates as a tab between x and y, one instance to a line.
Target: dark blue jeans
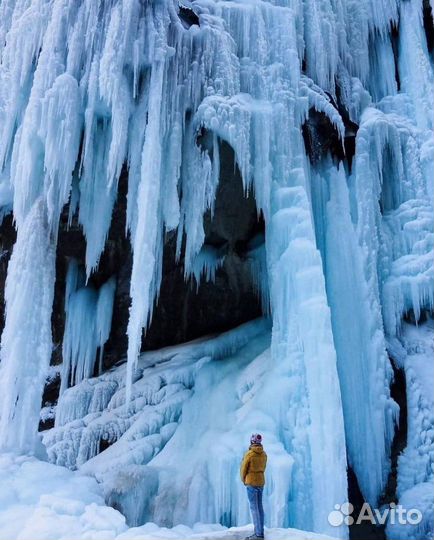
255	500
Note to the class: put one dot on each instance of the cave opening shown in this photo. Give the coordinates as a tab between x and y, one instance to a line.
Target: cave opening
321	138
423	316
188	310
187	15
185	309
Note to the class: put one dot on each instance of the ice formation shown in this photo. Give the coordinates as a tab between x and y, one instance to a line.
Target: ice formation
87	327
89	88
27	333
234	374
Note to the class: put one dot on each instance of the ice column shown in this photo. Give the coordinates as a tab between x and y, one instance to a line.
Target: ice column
303	342
26	341
363	366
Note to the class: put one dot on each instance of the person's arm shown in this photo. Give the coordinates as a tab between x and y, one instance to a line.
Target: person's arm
244	469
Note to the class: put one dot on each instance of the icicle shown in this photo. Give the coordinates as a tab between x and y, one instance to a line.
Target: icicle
320	20
28	160
79	340
96	196
322	103
104	313
87	327
26	341
60	130
362	359
145	247
205	264
382	80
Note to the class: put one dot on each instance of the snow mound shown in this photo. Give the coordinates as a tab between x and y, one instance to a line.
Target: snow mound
42	501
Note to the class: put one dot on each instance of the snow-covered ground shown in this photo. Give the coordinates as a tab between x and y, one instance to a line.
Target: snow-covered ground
41	501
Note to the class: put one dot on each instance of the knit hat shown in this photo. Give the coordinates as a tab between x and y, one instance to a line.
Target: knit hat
256	438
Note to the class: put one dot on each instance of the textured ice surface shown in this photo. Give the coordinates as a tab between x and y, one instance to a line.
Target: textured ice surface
167	425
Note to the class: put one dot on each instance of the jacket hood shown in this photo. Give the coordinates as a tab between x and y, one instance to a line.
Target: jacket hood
257	448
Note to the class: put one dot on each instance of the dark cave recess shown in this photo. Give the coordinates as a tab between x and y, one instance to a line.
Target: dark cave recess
183	312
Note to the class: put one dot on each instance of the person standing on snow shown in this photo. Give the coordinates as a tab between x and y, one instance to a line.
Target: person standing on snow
252	474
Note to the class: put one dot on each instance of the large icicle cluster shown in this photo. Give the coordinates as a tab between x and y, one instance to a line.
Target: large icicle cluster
89	88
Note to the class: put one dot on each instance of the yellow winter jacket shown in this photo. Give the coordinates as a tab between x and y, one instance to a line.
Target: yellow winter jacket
253	466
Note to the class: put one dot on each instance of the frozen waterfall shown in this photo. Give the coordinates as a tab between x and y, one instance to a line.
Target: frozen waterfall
92	90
